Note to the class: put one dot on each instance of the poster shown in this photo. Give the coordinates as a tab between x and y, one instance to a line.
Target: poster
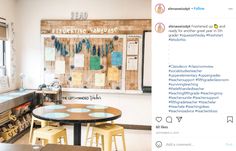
100	79
95	63
76	78
113	74
79	60
132	48
60	67
116	58
50	54
132	63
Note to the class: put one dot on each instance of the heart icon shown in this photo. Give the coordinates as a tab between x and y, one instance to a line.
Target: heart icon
158	119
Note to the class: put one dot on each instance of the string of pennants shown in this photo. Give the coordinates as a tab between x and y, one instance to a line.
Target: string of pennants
99	50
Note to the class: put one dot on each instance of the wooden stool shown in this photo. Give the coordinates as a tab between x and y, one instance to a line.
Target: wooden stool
50	134
107	131
43	124
97	137
87	133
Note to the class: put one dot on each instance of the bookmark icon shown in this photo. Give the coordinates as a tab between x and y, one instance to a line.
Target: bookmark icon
230	119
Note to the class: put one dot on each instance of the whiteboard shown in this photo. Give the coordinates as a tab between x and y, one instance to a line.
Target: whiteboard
147	59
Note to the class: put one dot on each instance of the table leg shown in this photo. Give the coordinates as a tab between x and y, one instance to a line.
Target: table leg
77	134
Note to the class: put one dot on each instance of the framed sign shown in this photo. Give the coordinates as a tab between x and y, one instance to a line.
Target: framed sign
147	60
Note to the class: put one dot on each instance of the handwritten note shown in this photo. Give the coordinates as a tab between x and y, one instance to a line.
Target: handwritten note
50	54
116	58
113	74
60	67
76	78
79	60
100	79
95	63
132	63
132	48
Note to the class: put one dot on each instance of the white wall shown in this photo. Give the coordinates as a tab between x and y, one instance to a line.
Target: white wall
8	11
30	12
136	108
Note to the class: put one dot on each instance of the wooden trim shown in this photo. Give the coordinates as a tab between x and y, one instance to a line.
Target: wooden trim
95	20
133	127
108	26
47	91
137	127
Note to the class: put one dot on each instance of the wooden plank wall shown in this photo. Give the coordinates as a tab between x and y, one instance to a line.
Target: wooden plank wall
92	27
125	26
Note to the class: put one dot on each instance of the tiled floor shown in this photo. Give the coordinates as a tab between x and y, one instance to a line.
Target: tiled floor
136	140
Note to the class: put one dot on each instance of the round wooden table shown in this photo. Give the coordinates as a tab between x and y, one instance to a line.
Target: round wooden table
76	114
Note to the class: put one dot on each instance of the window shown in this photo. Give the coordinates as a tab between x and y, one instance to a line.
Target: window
2	58
3	38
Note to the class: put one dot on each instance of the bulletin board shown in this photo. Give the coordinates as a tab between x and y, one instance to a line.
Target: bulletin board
95	55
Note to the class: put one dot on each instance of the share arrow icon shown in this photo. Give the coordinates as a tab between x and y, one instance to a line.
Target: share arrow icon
179	118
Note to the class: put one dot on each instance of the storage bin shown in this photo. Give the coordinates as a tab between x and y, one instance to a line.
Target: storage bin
6	133
17	111
4	117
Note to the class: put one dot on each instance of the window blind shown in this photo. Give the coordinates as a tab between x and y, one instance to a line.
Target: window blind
3	29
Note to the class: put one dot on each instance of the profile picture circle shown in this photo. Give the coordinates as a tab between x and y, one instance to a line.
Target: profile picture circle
160	27
160	8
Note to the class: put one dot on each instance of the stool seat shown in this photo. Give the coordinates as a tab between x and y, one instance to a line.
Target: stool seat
51	134
49	131
108	128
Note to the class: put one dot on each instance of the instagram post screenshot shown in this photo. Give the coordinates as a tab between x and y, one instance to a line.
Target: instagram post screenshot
117	75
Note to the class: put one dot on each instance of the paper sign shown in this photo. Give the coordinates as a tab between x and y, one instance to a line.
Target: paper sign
132	63
79	60
50	54
113	74
132	48
116	58
95	63
4	83
60	67
49	78
76	78
100	79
